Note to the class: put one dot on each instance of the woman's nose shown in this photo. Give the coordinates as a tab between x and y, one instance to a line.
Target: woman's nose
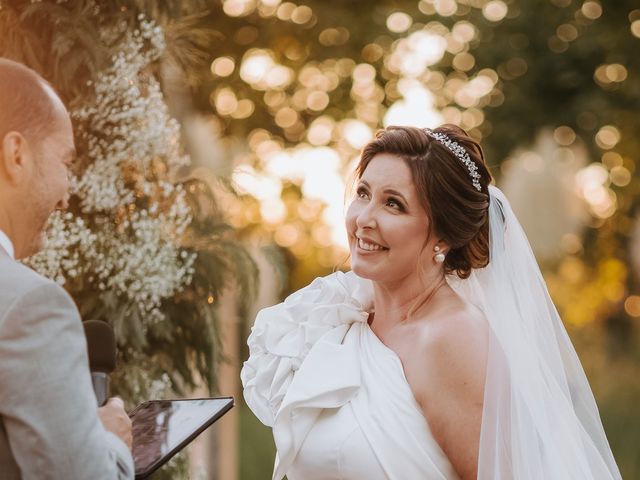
367	217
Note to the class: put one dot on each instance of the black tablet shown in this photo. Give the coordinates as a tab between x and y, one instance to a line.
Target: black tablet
161	428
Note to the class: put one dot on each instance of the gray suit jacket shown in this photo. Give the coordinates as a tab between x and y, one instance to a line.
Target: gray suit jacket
49	427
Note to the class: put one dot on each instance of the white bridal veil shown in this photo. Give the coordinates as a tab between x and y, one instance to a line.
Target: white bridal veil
540	420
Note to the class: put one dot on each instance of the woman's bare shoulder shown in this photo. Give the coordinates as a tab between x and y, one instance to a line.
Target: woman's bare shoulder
447	374
462	325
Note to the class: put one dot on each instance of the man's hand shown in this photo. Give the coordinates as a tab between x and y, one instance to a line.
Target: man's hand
116	420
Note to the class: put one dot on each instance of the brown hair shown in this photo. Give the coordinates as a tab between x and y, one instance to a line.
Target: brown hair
458	213
25	105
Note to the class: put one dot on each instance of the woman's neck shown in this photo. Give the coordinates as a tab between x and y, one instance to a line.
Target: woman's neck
394	303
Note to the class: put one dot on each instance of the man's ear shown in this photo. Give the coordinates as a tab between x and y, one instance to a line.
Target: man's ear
15	156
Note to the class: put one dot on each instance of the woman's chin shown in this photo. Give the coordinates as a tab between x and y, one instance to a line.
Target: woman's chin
362	271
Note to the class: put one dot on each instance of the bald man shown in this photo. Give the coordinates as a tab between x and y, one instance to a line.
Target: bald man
50	426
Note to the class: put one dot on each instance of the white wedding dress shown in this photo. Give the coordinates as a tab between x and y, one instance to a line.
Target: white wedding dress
340	406
334	394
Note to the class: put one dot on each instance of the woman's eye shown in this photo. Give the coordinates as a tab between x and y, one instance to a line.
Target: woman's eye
362	193
394	204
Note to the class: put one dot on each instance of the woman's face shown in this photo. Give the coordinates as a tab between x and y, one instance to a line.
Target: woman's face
386	223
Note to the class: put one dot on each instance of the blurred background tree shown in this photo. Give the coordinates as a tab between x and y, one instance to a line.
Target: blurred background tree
276	98
550	88
144	245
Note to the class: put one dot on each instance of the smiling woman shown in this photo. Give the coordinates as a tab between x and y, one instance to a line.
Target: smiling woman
440	188
440	355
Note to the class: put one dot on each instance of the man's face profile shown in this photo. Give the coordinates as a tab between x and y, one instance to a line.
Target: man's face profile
39	181
50	189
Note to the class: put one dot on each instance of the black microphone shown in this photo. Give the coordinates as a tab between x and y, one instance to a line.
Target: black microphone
101	346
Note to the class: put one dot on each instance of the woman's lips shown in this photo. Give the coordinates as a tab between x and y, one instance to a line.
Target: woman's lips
369	246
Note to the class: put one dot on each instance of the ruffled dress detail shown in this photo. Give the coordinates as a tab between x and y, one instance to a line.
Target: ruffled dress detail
335	396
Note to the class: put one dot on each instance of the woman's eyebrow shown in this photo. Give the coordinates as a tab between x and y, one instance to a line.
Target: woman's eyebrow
390	191
396	193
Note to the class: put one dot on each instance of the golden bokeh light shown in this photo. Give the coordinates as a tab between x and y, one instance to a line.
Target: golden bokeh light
473	117
322	235
532	162
238	8
564	135
275	98
635	28
244	109
301	15
299	99
632	305
317	101
571	243
248	182
255	65
446	8
452	115
610	73
591	9
285	11
259	69
567	32
286	235
330	37
495	10
286	117
399	22
612	159
607	137
516	67
273	210
620	176
356	133
308	209
468	94
310	76
225	101
279	77
613	291
427	7
414	54
256	137
454	44
463	62
593	185
268	147
372	52
572	269
223	66
320	131
364	73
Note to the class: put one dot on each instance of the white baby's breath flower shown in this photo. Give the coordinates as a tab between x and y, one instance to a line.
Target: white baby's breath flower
132	216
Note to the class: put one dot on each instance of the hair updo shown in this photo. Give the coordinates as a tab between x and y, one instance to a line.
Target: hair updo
458	213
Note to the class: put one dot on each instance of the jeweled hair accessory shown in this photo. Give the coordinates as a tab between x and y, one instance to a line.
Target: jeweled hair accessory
459	152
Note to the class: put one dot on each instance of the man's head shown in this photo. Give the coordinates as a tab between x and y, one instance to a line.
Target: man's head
36	150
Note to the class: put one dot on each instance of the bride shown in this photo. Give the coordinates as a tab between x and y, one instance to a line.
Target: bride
440	355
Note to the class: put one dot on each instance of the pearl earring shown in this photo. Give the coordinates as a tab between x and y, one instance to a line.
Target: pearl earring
439	256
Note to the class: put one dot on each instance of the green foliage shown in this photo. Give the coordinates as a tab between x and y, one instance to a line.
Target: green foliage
63	41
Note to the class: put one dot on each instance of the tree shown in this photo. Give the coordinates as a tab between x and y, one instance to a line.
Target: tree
144	245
